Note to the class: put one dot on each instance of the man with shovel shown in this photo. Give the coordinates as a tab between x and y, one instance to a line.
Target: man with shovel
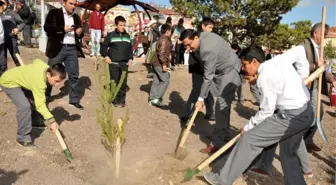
197	72
34	77
221	77
282	90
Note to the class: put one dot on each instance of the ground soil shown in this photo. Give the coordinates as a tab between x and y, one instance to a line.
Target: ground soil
151	137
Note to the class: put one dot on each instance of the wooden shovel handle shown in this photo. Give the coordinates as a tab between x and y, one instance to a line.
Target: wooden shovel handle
60	140
19	59
214	156
318	108
316	73
187	130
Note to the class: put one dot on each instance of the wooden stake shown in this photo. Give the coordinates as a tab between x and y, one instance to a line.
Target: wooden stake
117	149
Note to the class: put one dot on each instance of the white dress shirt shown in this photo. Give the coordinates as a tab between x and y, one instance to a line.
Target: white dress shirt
317	49
2	33
280	85
69	37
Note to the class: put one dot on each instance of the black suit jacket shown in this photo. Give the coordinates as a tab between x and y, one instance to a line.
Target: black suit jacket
54	28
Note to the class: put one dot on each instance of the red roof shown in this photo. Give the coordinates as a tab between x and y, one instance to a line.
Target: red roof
331	33
167	12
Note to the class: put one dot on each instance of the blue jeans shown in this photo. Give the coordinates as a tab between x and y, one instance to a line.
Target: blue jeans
95	41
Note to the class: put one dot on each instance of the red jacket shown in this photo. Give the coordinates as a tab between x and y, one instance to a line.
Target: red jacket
96	21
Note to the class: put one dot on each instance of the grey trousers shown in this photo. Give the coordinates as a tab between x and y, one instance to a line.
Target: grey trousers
267	157
23	113
255	93
160	83
209	102
240	93
308	137
27	34
221	133
286	127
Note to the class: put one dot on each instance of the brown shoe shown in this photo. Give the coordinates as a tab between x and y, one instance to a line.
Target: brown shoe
209	149
259	171
309	174
313	147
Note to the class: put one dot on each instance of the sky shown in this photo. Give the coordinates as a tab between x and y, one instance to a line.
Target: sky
305	10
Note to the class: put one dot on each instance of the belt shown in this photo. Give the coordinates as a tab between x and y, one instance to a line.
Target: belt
69	45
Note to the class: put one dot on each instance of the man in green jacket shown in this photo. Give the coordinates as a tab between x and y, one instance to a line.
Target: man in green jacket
33	77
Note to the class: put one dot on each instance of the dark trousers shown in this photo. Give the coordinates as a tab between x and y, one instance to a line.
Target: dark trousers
179	54
27	34
3	61
69	56
11	44
115	74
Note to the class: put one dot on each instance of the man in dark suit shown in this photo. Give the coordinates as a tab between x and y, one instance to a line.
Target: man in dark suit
25	14
64	32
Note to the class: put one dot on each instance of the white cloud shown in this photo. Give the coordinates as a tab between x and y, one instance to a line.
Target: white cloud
306	3
330	1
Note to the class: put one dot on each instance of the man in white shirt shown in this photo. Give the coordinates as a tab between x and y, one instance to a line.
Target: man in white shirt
281	89
64	31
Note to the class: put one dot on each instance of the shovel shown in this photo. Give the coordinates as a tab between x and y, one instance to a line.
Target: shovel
318	109
63	145
59	137
180	153
191	172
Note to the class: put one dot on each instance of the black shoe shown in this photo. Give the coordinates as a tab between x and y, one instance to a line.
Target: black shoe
119	105
184	122
77	105
312	147
25	143
210	117
150	75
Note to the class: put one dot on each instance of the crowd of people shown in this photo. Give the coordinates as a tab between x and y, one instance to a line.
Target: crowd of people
287	106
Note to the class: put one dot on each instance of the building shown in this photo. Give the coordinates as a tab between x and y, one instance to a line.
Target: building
331	36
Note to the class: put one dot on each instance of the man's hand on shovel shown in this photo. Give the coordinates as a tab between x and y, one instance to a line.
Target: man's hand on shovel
199	105
53	127
242	131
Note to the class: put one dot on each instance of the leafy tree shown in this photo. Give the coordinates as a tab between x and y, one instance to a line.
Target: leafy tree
282	38
285	36
238	20
301	30
329	51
